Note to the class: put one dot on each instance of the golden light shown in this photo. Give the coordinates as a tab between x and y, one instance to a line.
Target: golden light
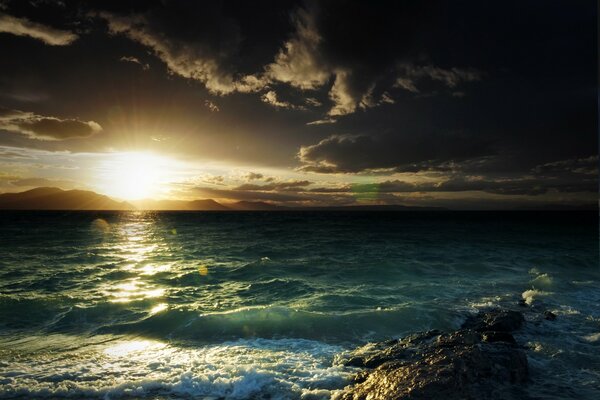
134	346
134	176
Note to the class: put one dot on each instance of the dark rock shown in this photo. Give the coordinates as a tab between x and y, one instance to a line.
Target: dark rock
376	354
493	336
480	361
522	303
549	315
495	320
459	338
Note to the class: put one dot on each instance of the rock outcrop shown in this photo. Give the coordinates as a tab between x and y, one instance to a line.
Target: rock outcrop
482	360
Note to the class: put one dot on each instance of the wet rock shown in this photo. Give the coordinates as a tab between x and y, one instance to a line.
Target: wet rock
375	354
493	336
480	360
549	315
495	320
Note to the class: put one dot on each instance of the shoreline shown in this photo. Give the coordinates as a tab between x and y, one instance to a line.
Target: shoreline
481	359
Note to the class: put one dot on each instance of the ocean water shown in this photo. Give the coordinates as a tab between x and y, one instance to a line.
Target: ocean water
240	305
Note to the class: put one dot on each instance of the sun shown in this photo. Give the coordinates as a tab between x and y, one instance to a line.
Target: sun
134	176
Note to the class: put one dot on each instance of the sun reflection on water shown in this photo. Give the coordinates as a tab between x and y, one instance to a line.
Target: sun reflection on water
158	308
134	290
137	244
134	346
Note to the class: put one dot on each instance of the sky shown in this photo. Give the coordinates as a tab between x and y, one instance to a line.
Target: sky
460	104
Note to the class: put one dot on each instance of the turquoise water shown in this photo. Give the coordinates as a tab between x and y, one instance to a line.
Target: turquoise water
261	305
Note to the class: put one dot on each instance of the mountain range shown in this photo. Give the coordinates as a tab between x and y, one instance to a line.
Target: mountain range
51	198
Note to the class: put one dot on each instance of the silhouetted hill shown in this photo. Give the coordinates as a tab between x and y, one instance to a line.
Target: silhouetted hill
48	198
383	207
173	205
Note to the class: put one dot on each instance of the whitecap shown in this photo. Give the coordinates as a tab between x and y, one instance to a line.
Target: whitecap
542	281
269	368
592	338
530	295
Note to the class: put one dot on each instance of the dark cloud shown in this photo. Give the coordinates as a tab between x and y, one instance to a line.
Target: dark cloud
194	44
349	154
332	43
409	75
58	129
233	194
579	166
284	186
529	186
45	128
330	46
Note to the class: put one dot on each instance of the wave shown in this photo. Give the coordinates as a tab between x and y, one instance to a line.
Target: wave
284	322
126	368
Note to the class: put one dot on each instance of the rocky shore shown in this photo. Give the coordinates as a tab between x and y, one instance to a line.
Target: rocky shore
481	360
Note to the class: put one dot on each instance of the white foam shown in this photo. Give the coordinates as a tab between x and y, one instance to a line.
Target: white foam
242	369
592	338
530	295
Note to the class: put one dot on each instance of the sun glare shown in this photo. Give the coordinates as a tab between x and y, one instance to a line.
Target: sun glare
133	176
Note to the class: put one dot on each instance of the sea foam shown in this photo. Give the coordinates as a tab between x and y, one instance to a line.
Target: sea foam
125	368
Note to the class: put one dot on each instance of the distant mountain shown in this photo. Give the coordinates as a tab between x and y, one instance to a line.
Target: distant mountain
173	205
382	207
49	198
255	206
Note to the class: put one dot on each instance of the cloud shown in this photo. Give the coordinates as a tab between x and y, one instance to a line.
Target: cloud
211	106
214	179
386	98
135	60
24	27
332	45
518	185
299	63
582	166
407	84
311	101
358	153
37	182
287	186
233	194
14	153
410	74
197	54
270	97
7	177
251	176
323	121
45	128
341	94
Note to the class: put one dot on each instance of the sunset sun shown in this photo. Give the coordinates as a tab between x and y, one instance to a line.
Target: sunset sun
133	176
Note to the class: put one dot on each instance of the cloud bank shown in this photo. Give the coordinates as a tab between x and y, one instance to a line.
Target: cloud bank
45	128
24	27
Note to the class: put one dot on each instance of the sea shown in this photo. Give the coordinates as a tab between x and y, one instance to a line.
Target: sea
264	305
